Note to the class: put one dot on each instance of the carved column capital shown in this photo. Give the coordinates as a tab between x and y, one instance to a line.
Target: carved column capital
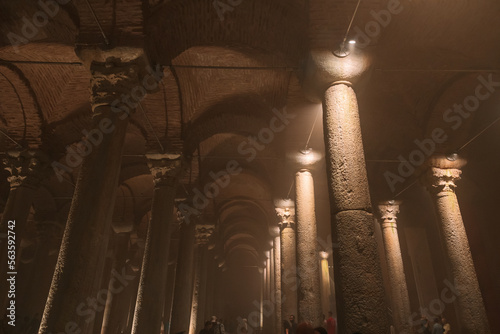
26	168
388	212
286	217
203	233
440	180
165	168
121	77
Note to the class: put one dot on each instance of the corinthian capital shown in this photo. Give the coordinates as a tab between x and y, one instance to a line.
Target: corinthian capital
203	233
388	212
286	216
26	168
442	179
120	76
165	168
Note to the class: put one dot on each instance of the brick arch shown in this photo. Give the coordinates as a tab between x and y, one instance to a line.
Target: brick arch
469	93
227	117
20	114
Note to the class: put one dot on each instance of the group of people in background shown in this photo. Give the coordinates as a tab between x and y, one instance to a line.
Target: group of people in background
213	326
329	326
438	326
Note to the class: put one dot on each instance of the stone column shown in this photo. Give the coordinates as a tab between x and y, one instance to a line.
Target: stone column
202	234
441	180
326	291
309	300
288	262
114	311
26	171
183	292
358	277
399	292
165	169
277	281
48	232
81	257
361	305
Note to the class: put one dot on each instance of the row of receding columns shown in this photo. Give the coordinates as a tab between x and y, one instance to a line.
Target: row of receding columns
360	299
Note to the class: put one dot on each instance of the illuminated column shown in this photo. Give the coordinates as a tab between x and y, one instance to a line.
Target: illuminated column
262	272
309	300
25	169
277	280
399	293
288	262
202	234
183	292
81	257
329	78
441	179
358	277
165	169
326	291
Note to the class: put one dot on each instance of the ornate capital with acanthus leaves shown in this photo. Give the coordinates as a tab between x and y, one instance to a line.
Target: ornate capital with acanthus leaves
388	212
441	180
26	168
165	168
286	217
203	233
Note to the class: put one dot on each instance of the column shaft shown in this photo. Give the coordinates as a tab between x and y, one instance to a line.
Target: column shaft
86	235
116	297
309	300
181	309
288	272
325	287
24	178
277	284
151	293
399	292
361	305
473	317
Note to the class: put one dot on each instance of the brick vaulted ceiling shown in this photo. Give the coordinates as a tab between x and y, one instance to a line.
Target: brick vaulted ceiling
224	73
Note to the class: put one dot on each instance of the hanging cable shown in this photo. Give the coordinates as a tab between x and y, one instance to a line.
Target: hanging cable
480	133
15	142
98	23
310	133
342	46
151	126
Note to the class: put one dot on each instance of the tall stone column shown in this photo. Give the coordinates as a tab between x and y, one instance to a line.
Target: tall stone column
183	292
288	262
441	180
309	300
358	277
116	299
277	281
202	234
165	169
399	292
326	291
26	171
81	257
32	301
